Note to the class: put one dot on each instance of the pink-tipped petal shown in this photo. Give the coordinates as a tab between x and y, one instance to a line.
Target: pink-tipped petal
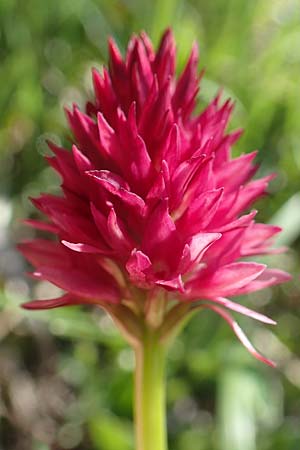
241	335
243	310
176	284
81	248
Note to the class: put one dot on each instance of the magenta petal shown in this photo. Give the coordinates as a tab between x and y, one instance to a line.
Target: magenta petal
42	225
184	174
116	60
158	189
82	162
112	184
82	248
164	63
136	162
226	280
243	310
163	245
139	266
236	172
119	237
65	300
148	45
42	251
85	131
196	249
249	193
107	138
223	152
174	284
237	275
200	243
258	238
194	220
105	97
118	73
241	335
112	181
142	74
64	164
80	283
241	222
77	227
100	221
187	85
270	277
173	148
141	167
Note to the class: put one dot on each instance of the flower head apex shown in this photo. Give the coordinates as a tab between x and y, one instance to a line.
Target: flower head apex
152	204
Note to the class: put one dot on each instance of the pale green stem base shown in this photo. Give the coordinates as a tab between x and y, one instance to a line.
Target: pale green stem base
150	416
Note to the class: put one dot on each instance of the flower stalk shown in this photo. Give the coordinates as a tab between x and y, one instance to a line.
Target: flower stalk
150	415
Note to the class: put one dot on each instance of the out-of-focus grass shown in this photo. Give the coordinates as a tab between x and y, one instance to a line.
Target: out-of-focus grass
66	376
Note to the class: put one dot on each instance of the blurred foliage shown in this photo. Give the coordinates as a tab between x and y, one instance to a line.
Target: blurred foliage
66	376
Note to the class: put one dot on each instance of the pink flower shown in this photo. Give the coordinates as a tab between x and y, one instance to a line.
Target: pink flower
152	202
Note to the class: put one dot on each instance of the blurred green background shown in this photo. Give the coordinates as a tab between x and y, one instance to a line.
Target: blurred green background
66	375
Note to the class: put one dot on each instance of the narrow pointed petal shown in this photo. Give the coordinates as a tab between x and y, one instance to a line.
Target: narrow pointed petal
82	248
187	85
241	222
80	283
236	172
176	284
106	99
194	220
226	280
237	275
241	335
142	75
164	246
65	300
82	162
164	63
119	237
43	251
243	310
115	186
43	226
258	238
248	194
226	250
117	64
148	45
173	148
107	140
270	277
200	243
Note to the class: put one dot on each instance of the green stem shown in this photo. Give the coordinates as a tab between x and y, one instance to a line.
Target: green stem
150	416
